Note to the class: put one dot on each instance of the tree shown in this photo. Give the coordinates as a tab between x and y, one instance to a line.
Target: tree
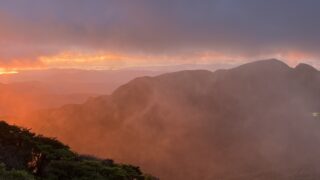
27	156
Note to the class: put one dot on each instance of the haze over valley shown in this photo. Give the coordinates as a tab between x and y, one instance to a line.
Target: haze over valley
265	129
149	90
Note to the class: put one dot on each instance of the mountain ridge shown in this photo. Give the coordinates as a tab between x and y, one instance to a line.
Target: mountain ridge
240	121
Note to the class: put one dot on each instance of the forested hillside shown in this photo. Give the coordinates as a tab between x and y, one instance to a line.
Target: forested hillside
27	156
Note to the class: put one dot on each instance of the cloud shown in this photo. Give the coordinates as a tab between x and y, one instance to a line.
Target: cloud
235	28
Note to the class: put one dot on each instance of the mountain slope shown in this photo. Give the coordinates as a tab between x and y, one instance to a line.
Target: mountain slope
251	122
26	156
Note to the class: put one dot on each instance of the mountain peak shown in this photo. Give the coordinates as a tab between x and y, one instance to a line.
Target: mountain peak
267	66
305	67
266	63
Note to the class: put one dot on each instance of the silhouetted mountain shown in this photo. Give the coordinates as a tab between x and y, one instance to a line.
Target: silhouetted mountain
32	90
70	81
255	121
26	156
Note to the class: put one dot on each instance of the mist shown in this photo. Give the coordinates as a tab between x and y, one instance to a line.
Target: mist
184	90
251	121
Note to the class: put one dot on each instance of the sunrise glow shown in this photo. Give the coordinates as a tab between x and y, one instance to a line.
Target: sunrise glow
5	71
159	89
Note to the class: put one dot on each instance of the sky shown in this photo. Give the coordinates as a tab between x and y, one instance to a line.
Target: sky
109	34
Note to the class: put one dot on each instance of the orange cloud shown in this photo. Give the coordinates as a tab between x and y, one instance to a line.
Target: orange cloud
117	60
92	60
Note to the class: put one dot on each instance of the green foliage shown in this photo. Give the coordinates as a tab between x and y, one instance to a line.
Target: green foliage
88	169
14	174
27	156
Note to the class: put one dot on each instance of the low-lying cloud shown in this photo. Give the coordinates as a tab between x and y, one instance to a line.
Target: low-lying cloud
160	30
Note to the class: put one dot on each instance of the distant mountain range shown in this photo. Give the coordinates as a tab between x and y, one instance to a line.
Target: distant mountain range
81	81
255	121
31	90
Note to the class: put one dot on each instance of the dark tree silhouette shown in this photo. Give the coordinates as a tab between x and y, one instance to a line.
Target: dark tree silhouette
25	155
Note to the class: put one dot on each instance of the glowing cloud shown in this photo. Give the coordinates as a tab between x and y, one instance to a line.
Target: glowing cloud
124	33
